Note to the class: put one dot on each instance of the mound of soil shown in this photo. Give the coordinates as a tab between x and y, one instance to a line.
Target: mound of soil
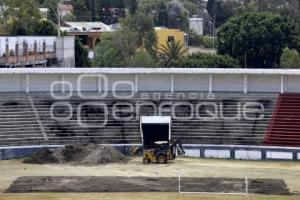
78	154
41	157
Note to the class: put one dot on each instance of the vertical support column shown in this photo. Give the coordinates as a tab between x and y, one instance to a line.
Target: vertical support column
282	84
245	84
98	84
27	83
63	89
295	157
172	83
210	84
7	55
35	52
17	54
136	82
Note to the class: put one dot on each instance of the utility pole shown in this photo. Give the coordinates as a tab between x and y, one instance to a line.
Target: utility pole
214	31
245	59
58	16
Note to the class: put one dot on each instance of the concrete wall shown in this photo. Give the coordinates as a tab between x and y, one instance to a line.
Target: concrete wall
242	152
14	82
196	24
195	151
7	153
65	51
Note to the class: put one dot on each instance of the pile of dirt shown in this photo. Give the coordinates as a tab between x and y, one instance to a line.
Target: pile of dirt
78	154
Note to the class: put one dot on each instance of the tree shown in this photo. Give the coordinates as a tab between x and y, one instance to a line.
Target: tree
45	28
143	25
132	6
206	61
178	16
284	7
220	11
290	58
171	52
24	18
120	49
107	55
81	55
52	6
116	49
162	16
143	59
81	10
20	17
257	39
126	42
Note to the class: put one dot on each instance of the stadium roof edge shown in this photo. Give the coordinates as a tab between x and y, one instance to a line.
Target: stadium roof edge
149	71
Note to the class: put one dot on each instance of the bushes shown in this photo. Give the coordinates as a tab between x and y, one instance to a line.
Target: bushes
290	58
200	40
206	61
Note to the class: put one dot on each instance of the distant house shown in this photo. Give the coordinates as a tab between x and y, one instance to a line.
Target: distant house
165	35
196	25
44	12
88	32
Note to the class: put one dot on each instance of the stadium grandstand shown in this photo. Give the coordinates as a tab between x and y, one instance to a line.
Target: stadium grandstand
213	108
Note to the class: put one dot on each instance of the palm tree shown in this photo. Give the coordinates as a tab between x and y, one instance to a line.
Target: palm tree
170	52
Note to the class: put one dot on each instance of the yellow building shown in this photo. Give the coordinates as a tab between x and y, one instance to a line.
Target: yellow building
165	35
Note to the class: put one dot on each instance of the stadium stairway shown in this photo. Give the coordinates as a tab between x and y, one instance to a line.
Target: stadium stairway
64	128
18	121
284	127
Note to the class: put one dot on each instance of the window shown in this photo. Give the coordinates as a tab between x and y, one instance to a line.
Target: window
171	39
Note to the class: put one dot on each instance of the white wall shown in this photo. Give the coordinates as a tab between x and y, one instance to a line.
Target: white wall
292	84
42	82
228	83
196	24
152	82
155	82
65	50
10	83
190	82
270	83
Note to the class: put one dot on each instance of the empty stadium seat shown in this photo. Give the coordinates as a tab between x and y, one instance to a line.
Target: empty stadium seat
64	128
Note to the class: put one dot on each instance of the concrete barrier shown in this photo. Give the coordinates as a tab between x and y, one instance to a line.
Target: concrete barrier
238	152
22	151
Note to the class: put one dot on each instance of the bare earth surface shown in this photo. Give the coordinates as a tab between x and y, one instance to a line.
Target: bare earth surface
187	167
89	184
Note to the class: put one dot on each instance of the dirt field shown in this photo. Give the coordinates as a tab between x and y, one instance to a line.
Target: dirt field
287	171
136	196
90	184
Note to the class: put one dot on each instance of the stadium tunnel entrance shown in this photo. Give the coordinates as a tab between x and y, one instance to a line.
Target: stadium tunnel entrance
155	129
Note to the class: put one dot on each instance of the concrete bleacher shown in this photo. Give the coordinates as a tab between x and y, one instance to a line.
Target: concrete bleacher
18	123
25	119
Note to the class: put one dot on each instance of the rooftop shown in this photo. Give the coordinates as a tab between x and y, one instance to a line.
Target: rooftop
149	71
88	27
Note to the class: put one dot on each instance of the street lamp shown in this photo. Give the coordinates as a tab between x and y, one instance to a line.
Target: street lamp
59	15
213	32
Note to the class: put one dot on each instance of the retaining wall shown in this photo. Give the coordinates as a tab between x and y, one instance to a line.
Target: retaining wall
196	151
